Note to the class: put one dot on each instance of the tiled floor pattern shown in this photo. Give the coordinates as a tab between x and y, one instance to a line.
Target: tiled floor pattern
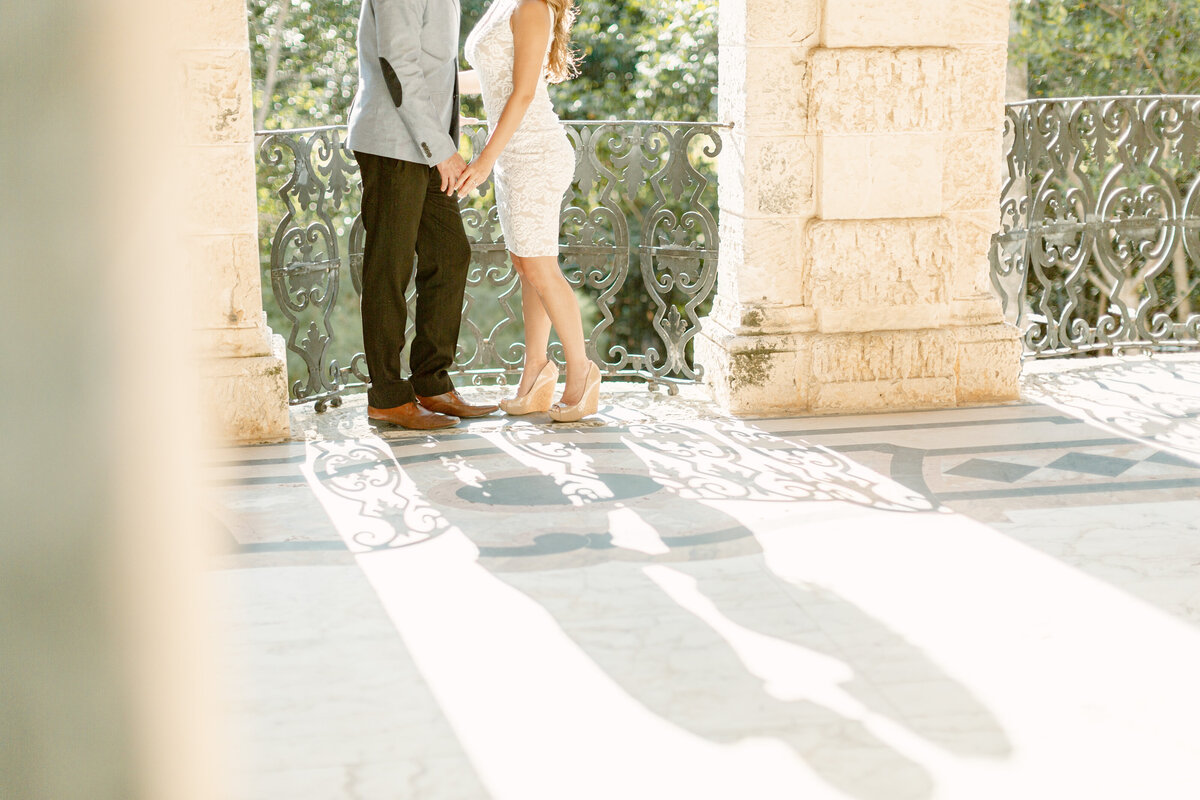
977	603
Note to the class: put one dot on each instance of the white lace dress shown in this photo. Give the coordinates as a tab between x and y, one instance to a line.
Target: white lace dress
537	166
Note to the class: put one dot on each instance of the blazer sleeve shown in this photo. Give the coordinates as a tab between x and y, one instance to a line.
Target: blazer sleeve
398	23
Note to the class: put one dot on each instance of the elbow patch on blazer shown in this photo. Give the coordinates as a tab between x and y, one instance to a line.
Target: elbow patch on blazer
393	83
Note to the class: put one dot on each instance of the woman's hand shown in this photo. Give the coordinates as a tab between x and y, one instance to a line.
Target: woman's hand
475	173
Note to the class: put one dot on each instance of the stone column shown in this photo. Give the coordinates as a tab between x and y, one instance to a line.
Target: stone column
244	374
859	188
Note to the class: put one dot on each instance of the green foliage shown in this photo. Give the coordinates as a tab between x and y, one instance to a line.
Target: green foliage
644	59
303	61
641	59
1097	47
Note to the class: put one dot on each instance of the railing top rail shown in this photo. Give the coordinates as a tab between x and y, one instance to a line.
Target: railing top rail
1034	101
586	122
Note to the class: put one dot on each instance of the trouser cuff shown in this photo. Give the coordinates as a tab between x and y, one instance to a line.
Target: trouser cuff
430	385
390	395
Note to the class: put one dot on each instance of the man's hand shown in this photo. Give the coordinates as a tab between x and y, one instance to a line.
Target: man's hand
450	169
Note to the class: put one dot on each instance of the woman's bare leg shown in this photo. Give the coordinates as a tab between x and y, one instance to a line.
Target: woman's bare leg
537	329
557	301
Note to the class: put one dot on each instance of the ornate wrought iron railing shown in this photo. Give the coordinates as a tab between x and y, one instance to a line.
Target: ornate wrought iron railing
1099	246
640	241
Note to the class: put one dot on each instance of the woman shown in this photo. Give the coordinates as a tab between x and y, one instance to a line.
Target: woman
516	48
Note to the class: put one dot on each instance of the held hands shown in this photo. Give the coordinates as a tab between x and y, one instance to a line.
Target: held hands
450	170
475	173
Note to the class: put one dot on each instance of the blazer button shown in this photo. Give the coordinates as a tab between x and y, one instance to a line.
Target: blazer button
428	152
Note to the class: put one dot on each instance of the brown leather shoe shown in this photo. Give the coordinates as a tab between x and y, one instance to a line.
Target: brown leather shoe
412	416
452	403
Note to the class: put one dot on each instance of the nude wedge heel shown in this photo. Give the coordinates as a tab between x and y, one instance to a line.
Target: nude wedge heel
538	397
588	404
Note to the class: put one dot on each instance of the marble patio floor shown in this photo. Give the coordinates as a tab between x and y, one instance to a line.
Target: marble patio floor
997	602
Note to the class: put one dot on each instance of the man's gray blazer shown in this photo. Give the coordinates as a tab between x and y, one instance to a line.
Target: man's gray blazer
407	101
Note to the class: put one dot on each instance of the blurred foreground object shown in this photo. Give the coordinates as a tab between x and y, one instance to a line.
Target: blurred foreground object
106	688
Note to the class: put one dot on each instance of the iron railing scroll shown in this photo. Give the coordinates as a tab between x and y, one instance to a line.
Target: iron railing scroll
1098	250
640	223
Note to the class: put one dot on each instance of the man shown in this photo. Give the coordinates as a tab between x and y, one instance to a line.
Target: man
404	135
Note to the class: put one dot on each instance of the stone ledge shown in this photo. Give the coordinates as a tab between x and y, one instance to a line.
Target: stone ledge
251	341
752	375
821	373
915	316
246	399
761	318
982	309
882	395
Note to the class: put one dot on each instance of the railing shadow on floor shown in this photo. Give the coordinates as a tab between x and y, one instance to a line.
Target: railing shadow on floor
666	511
1156	402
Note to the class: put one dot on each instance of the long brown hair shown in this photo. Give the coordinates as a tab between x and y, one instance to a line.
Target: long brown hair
563	62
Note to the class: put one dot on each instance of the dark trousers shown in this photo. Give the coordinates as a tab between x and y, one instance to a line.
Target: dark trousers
404	213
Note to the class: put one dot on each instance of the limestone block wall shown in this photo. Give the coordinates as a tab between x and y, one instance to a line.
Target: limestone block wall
244	374
858	189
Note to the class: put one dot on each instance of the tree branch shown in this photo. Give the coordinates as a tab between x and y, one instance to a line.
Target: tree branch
274	53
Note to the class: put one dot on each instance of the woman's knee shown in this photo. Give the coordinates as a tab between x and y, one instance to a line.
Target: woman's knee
541	272
518	264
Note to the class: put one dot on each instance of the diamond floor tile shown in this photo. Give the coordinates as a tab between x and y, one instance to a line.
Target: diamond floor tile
1163	457
1108	466
991	470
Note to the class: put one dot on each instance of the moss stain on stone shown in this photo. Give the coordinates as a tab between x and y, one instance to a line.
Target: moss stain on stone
750	368
752	318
